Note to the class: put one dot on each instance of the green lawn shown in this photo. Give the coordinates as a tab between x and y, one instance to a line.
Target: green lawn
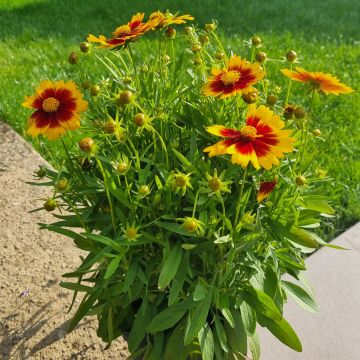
37	35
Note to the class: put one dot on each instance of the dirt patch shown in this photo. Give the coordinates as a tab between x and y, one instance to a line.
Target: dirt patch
34	325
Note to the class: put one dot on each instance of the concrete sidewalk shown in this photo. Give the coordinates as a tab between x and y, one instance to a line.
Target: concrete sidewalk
334	332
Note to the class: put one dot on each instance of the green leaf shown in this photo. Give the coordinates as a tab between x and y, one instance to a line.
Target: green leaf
262	303
254	345
170	316
228	316
206	341
103	240
282	330
318	205
319	240
302	297
221	335
248	316
112	267
77	287
138	332
236	338
223	239
175	228
170	267
175	348
197	320
178	281
200	291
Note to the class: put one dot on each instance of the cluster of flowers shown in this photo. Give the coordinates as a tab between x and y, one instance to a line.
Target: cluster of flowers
153	204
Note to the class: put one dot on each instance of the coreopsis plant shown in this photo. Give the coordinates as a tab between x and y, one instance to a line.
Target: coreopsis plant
193	191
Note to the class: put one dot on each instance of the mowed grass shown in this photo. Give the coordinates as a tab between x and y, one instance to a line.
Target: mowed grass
36	37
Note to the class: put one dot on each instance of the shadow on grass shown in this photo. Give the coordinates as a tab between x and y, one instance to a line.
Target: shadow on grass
74	19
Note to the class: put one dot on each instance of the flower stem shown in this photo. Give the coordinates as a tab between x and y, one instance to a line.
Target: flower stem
238	206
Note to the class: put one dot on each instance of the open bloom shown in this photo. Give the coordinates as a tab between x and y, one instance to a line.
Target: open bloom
325	83
125	33
261	140
57	109
236	77
266	187
167	19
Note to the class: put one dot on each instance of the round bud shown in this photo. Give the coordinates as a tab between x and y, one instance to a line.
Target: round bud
300	180
62	184
196	48
291	56
299	112
316	132
127	79
289	112
95	90
144	190
271	99
144	68
110	127
188	30
204	39
50	204
255	41
170	33
85	84
250	96
125	98
219	55
197	60
260	57
139	119
73	58
122	168
86	144
210	27
84	47
131	233
214	184
190	225
180	180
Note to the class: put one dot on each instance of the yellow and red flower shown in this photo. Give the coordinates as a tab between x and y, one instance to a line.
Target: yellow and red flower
57	108
266	187
167	19
260	141
125	33
238	76
326	83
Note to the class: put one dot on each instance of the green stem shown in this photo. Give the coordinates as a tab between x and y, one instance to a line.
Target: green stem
288	89
195	203
238	206
107	194
133	61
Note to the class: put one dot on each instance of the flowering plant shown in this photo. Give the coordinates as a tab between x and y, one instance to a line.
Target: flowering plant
187	236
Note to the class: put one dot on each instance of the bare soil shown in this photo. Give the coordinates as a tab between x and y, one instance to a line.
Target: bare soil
34	326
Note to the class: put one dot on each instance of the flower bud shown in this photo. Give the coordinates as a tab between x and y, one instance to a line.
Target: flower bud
197	60
85	84
126	97
131	233
127	79
316	132
299	112
260	57
144	190
95	90
300	180
188	30
214	184
196	48
84	47
271	99
122	168
255	41
110	127
50	204
139	119
86	145
204	39
321	173
250	96
289	112
166	59
170	33
210	27
73	58
190	225
62	185
291	56
219	55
